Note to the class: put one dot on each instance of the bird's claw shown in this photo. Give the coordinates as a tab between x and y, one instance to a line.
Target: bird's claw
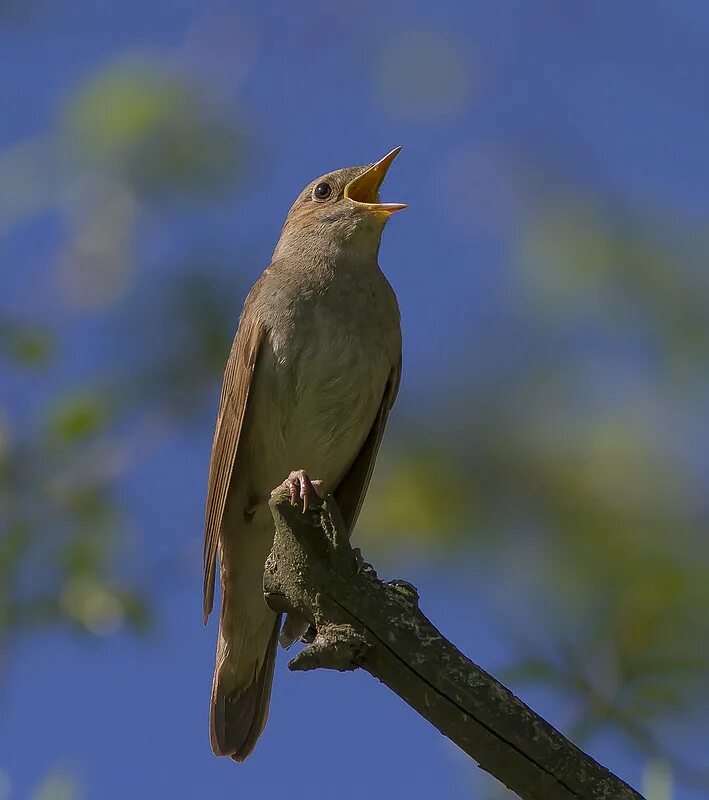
362	565
300	486
309	635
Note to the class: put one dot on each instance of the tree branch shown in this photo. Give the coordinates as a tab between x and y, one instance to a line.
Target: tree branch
362	622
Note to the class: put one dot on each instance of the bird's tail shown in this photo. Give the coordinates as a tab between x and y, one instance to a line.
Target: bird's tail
241	690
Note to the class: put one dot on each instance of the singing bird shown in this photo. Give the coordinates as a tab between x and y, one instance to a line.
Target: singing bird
312	374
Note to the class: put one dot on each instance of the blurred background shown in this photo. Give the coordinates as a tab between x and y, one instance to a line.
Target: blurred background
545	477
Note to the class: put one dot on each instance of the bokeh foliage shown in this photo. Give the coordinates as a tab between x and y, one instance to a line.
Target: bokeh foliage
132	141
573	474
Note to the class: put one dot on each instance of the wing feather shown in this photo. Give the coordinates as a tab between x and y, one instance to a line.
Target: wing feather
232	410
352	489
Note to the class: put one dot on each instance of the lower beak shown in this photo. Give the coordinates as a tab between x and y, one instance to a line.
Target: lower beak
364	189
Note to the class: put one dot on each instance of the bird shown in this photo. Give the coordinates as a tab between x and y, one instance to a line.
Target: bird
312	374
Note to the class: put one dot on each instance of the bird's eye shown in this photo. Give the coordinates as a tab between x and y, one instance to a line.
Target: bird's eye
322	191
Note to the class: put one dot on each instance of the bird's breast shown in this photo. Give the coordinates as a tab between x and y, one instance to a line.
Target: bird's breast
319	384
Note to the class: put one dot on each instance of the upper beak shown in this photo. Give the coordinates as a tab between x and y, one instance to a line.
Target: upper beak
364	189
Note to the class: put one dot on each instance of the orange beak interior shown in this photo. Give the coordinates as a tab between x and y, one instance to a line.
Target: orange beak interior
364	189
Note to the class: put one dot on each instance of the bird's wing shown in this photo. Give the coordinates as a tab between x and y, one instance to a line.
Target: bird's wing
232	410
351	490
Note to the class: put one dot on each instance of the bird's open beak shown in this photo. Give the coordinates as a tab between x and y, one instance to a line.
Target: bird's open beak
364	189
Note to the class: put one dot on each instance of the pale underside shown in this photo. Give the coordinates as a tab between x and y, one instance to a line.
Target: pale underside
321	405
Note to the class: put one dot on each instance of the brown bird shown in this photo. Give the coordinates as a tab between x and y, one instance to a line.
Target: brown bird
312	374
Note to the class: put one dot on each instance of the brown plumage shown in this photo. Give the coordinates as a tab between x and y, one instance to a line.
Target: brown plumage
311	377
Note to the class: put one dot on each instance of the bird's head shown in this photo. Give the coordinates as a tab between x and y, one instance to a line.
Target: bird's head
340	211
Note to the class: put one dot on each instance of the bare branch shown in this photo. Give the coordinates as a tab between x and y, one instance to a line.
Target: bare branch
362	622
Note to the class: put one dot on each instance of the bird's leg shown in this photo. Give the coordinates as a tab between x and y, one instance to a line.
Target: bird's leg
309	635
362	565
299	484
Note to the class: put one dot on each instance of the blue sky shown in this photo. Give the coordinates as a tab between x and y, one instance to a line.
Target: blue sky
607	96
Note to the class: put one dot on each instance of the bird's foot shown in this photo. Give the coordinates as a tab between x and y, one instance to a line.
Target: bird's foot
362	565
299	484
309	635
